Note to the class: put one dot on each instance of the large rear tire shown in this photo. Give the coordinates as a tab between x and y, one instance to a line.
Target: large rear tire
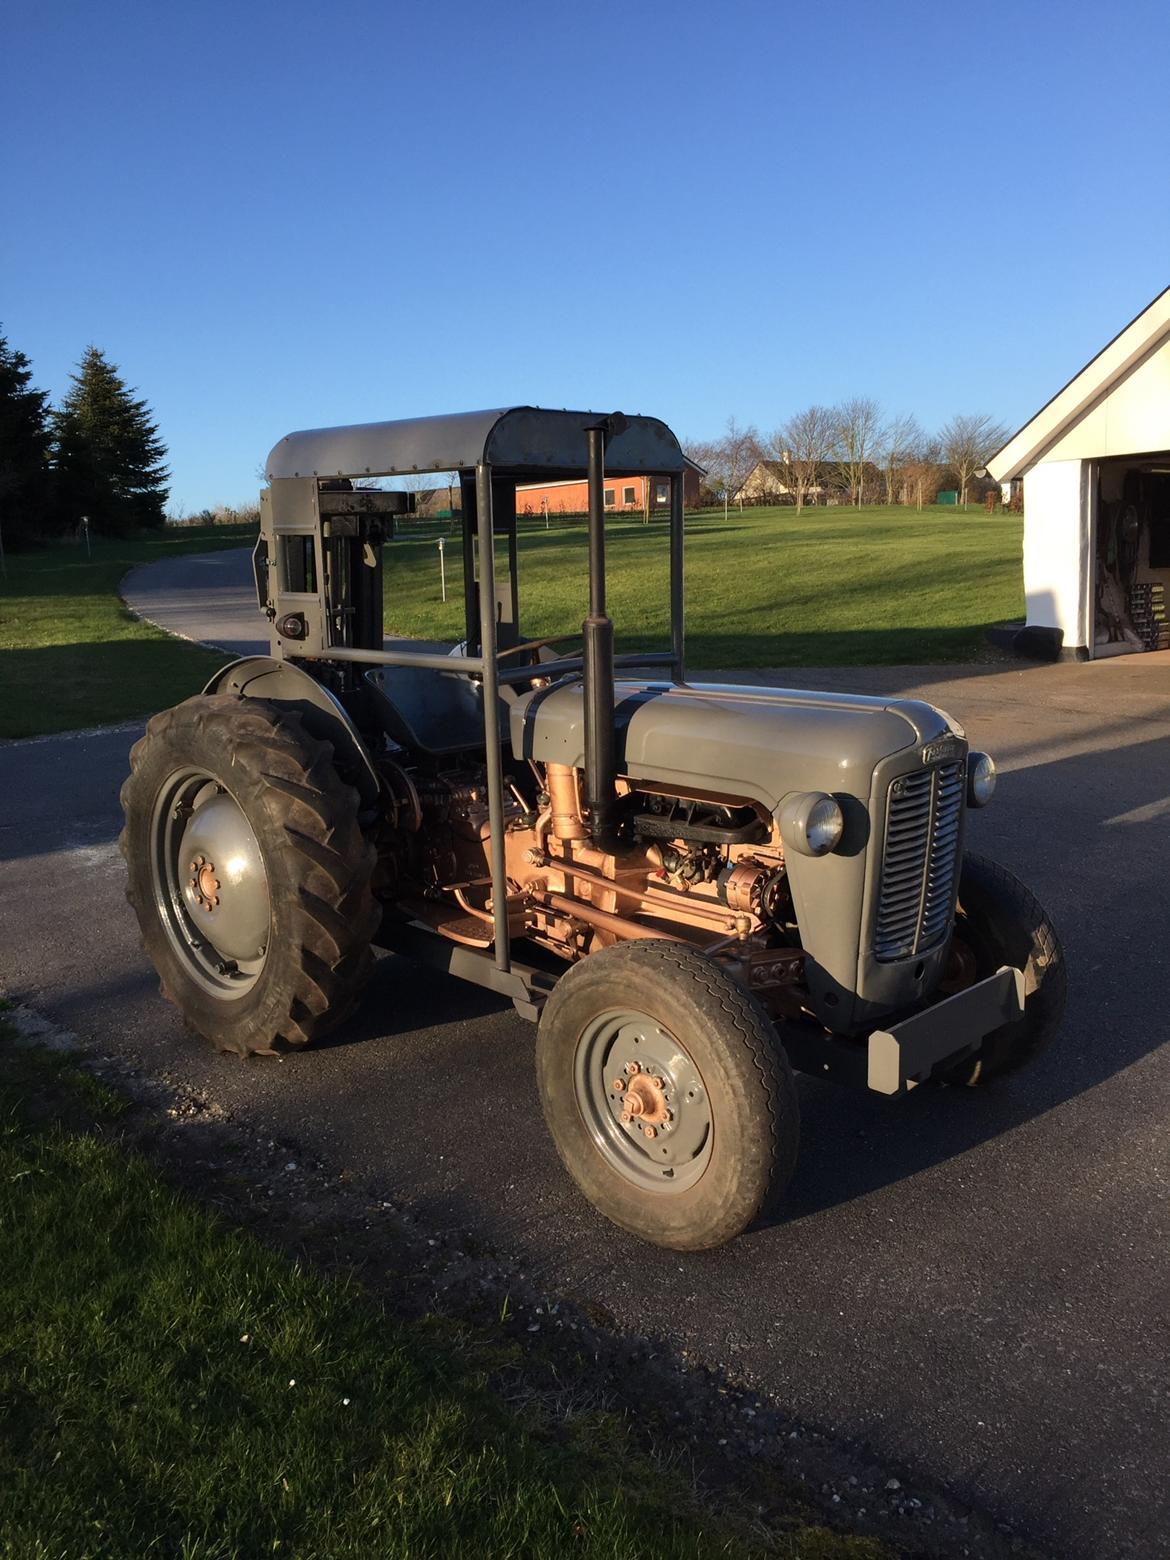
248	872
1000	921
667	1093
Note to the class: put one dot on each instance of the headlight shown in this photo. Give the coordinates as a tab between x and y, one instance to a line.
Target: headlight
811	823
980	779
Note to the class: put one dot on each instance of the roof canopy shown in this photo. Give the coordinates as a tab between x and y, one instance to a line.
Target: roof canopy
1111	365
521	441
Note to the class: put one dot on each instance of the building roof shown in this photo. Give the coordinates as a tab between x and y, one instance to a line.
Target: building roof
1129	347
517	440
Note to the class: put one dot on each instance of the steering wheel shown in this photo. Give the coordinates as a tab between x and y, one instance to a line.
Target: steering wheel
535	644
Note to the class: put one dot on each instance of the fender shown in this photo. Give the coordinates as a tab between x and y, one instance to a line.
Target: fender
280	682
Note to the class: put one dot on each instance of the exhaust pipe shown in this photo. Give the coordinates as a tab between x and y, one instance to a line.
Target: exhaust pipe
597	633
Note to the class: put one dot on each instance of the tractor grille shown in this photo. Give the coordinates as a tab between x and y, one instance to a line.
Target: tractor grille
917	887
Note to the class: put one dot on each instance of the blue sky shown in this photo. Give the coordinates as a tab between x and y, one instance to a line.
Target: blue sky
279	216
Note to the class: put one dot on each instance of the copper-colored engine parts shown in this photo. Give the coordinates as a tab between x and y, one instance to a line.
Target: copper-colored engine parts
741	887
565	801
575	896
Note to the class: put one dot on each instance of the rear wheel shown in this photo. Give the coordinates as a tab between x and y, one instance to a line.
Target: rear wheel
669	1098
248	872
1000	921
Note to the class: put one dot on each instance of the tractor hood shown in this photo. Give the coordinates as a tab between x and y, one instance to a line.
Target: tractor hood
755	743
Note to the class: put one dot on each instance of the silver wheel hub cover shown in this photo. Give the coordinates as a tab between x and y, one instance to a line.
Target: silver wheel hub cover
224	885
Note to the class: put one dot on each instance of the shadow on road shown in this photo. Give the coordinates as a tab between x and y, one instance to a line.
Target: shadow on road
853	1142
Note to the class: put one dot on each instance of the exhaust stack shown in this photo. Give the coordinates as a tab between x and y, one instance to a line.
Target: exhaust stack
597	633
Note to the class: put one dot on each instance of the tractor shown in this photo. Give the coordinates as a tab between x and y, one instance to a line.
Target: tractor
693	889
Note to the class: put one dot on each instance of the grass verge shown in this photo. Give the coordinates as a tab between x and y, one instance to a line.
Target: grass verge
71	655
168	1386
768	587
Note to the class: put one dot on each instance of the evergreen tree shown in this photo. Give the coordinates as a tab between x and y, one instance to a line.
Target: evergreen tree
107	453
25	501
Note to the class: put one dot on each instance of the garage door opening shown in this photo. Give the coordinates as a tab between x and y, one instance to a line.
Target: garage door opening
1131	592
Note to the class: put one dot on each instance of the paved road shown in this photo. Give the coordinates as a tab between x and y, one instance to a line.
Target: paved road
973	1284
208	597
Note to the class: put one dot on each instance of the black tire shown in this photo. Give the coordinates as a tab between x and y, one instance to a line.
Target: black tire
317	871
746	1087
1001	922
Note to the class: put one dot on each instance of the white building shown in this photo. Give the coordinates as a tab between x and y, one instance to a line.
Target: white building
1096	467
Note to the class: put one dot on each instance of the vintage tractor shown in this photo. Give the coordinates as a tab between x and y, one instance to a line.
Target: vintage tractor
695	888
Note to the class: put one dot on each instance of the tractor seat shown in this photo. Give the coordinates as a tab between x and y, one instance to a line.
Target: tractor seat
437	712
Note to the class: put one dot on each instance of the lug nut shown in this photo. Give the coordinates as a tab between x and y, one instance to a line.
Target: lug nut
625	1115
651	1132
633	1067
657	1082
618	1085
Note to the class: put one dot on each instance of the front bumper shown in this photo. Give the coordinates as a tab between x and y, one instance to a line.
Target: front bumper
893	1060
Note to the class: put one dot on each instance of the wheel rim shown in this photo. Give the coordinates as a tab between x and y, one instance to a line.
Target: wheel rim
643	1101
210	886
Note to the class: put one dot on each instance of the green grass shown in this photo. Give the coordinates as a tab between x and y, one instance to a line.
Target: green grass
830	587
70	653
170	1387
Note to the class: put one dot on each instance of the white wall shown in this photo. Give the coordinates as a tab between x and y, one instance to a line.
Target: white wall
1132	419
1057	558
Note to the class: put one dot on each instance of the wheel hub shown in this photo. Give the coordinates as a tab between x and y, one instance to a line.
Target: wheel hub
204	884
643	1101
961	968
224	884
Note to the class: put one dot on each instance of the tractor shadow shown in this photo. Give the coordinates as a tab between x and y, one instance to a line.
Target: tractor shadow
405	998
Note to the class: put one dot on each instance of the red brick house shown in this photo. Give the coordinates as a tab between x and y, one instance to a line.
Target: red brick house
628	495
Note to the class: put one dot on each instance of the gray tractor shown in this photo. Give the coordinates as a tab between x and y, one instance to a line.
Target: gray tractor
694	888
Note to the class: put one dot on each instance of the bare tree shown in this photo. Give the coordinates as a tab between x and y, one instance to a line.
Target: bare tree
922	469
702	452
969	441
859	435
803	445
901	441
731	459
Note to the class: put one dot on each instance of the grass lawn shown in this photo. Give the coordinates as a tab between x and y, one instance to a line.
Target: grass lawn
768	587
170	1387
831	587
70	653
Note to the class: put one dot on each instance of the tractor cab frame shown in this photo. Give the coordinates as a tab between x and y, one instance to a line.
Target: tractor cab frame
319	580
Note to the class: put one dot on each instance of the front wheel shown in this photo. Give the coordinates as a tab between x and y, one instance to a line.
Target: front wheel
670	1101
999	921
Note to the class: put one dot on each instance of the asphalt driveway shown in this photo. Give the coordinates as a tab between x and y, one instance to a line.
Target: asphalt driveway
973	1284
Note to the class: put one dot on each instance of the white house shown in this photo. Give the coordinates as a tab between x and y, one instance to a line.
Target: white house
1095	462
